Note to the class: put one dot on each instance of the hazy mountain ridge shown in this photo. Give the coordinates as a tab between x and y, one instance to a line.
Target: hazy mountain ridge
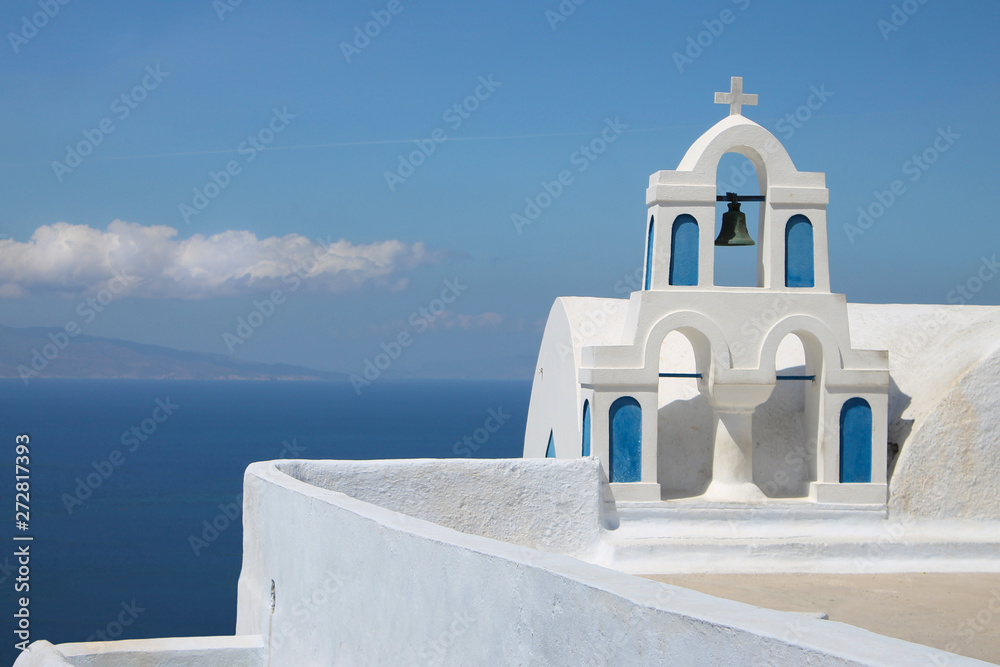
47	352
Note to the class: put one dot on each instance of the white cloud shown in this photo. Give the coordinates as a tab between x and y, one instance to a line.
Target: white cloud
75	259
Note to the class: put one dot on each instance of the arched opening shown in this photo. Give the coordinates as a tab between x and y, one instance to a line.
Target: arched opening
738	266
649	256
550	451
625	421
684	422
684	251
856	441
799	256
786	424
585	447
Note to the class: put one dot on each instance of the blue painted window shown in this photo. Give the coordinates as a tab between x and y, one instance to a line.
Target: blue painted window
856	441
799	270
550	451
586	428
626	440
684	251
649	256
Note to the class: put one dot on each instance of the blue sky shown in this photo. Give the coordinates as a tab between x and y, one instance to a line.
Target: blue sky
302	132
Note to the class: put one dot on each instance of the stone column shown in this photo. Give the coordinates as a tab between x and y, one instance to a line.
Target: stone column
732	464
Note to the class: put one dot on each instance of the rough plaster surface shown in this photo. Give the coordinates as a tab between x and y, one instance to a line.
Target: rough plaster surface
944	412
236	651
400	590
950	465
548	505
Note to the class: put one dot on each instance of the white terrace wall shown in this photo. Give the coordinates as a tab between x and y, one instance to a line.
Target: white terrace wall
557	508
329	579
233	651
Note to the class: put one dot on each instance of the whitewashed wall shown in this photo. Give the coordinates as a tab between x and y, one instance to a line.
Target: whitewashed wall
556	508
236	651
354	583
944	405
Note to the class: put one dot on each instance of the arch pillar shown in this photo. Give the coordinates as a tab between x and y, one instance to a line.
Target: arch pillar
667	202
732	430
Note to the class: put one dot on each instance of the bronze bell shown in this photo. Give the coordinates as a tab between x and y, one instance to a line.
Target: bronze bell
734	227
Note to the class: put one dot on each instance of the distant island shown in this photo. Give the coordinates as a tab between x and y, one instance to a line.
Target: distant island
48	352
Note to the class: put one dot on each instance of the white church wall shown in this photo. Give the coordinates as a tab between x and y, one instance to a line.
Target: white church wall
556	397
760	325
399	590
557	389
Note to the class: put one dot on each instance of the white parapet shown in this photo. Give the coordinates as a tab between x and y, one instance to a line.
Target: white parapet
332	578
235	651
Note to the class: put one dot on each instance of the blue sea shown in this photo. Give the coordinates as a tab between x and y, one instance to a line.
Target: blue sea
124	474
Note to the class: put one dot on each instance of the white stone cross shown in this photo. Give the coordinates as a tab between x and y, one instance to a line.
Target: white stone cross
736	98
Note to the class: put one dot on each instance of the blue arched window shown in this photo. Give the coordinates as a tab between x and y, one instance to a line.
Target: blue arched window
586	428
799	270
649	256
684	251
626	440
856	441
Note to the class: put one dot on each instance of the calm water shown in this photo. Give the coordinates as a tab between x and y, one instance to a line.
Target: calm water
129	540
